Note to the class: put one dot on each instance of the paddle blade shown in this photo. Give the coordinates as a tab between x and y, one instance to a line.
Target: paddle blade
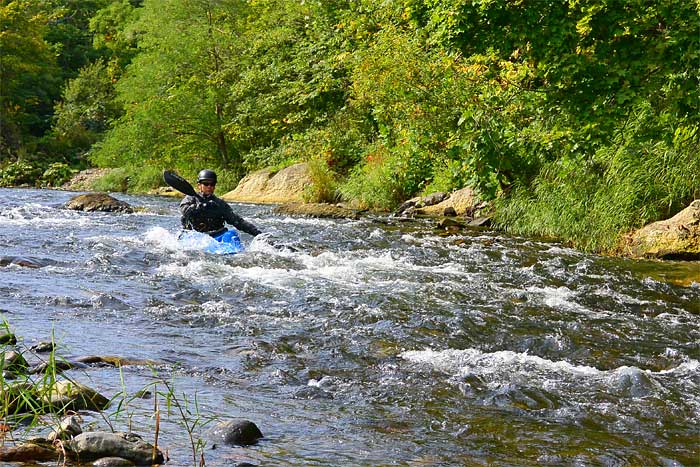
179	183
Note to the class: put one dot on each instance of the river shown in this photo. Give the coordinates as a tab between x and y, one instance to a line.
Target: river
371	342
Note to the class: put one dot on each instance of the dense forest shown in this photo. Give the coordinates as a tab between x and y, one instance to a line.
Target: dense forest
577	118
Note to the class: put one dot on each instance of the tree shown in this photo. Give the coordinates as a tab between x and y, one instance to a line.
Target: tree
172	91
29	77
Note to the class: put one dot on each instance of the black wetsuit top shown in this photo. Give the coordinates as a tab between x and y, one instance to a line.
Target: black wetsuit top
209	215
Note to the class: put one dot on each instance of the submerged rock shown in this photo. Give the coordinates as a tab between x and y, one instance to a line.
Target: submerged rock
112	462
112	360
236	433
91	202
58	366
19	261
7	338
674	238
93	445
43	347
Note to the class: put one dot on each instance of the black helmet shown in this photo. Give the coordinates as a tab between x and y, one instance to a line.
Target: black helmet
206	174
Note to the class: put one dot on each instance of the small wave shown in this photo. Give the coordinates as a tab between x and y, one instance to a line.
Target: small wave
162	238
38	216
504	367
557	297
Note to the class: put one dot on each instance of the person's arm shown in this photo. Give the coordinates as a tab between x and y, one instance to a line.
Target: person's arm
237	221
188	207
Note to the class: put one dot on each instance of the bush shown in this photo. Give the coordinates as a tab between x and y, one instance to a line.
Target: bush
116	180
324	186
144	179
387	178
591	203
57	174
19	173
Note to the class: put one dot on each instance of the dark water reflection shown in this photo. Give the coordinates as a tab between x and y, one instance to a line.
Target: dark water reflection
371	342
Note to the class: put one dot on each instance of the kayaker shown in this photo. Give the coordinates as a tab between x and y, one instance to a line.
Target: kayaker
210	213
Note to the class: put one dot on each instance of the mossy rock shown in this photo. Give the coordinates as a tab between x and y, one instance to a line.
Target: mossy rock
676	238
91	202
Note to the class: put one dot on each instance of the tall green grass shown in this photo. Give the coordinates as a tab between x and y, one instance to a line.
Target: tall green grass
590	204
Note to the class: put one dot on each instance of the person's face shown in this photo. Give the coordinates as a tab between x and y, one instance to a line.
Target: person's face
207	187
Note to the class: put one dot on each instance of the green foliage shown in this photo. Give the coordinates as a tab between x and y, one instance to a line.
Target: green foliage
386	179
19	173
113	34
324	184
56	174
69	35
590	204
172	93
130	180
28	76
116	180
87	108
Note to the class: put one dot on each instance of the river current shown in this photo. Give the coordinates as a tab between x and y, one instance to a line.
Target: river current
370	342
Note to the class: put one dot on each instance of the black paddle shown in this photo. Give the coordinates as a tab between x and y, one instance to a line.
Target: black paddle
180	184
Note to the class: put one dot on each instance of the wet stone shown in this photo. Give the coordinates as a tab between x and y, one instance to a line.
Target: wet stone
112	462
42	347
28	452
68	428
91	202
91	446
236	433
8	339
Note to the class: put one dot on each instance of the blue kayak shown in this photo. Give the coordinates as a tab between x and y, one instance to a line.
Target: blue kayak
227	243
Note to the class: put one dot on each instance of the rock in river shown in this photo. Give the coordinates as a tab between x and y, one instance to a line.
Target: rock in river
94	445
103	202
236	433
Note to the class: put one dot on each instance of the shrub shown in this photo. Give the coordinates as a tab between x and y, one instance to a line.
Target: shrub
116	180
19	173
56	174
324	186
591	203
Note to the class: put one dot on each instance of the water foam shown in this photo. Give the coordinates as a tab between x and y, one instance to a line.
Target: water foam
506	366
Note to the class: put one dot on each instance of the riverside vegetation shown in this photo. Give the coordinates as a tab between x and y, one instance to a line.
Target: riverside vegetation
578	119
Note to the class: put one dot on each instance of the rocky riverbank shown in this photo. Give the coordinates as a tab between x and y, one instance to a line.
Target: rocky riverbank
44	405
677	238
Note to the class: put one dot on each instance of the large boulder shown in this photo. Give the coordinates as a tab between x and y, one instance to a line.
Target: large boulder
273	187
461	201
91	202
94	445
674	238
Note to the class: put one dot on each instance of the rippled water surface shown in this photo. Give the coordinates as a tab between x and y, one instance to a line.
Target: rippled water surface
369	342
